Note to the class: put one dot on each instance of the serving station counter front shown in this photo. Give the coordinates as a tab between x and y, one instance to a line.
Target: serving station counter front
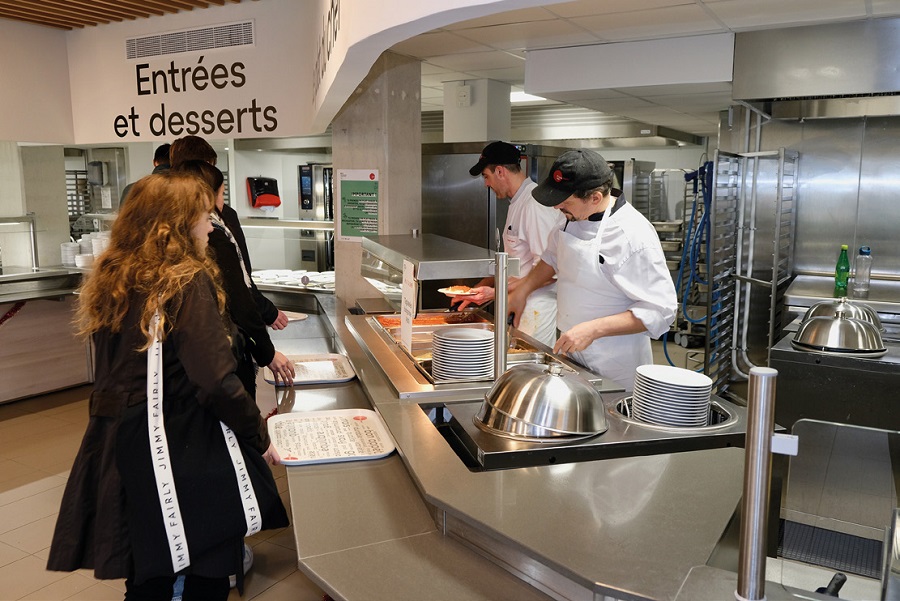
650	524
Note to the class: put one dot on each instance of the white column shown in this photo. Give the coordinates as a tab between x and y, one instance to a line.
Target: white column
476	111
380	127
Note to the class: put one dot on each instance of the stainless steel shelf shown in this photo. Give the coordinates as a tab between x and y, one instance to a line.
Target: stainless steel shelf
435	257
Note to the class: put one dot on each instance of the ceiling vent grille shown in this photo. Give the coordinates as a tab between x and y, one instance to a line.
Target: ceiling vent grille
191	40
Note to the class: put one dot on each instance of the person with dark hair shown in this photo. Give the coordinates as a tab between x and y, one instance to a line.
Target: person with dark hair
195	148
615	291
526	231
237	284
153	495
191	148
160	164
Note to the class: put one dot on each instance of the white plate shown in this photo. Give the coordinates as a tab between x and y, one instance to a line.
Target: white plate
457	333
656	390
674	375
449	292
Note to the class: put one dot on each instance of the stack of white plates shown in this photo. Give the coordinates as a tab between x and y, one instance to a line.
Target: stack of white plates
84	260
671	396
68	250
462	354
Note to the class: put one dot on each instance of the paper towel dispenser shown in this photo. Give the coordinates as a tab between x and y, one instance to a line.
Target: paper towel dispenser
263	192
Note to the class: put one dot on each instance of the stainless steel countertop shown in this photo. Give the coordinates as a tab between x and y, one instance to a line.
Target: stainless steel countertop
630	528
26	283
807	290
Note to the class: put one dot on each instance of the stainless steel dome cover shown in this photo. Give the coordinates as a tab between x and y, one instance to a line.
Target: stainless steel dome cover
841	335
851	309
538	400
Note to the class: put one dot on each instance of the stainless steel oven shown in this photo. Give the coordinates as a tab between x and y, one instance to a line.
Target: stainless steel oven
316	192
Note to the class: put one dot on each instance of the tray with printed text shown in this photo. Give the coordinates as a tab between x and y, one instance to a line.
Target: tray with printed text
310	437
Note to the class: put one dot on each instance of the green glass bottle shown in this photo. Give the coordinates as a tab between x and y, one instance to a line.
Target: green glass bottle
841	273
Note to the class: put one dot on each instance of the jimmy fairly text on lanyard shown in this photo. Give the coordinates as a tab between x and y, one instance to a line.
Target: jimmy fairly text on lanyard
162	464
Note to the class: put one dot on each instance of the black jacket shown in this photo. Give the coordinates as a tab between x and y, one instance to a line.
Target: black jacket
96	523
267	309
242	304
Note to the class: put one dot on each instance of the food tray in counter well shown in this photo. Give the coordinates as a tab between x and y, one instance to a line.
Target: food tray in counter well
310	437
323	368
668	226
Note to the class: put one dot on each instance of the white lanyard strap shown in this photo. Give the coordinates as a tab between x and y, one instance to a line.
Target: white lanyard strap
162	464
248	495
159	451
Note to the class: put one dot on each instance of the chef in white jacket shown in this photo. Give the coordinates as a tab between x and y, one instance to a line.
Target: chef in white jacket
614	292
528	227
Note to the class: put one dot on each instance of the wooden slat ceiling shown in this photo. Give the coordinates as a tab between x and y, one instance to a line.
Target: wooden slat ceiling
74	14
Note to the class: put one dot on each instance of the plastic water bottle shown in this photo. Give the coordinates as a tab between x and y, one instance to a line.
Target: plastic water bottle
863	273
841	273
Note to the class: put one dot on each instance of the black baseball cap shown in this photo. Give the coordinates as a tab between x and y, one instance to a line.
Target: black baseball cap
496	153
574	171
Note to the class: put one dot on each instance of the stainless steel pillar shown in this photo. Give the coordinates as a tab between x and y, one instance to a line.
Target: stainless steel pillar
501	337
751	584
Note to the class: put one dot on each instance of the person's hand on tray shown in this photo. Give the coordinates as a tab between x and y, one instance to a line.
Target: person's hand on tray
271	455
282	368
281	321
474	296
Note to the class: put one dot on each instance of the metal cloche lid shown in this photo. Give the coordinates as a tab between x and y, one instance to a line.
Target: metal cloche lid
547	397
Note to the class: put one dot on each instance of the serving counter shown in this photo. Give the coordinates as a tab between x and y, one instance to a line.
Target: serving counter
420	524
39	351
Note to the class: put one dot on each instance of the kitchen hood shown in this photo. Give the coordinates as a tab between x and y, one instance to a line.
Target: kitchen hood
824	71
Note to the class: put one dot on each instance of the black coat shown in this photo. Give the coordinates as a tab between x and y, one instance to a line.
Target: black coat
99	525
242	306
266	308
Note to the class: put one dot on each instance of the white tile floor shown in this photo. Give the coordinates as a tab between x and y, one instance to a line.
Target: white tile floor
38	441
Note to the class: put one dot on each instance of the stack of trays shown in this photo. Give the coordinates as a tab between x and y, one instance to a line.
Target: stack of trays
99	243
671	396
462	354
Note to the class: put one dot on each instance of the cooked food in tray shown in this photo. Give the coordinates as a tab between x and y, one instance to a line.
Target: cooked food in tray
432	319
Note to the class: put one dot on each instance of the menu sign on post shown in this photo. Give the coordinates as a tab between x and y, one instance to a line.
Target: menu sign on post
357	195
408	303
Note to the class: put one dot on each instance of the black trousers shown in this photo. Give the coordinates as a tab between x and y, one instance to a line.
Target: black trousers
196	588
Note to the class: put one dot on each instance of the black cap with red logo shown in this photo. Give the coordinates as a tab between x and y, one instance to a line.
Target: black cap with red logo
496	153
574	171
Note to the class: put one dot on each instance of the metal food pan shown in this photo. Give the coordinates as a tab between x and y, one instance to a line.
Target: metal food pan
668	226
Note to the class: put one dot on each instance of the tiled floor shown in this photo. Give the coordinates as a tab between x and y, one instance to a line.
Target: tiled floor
38	441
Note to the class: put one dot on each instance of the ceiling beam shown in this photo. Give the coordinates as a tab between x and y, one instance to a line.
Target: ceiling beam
15	8
31	19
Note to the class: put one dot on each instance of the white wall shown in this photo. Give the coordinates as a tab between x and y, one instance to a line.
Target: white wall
276	71
35	104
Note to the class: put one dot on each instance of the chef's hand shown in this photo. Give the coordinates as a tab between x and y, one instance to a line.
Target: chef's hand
575	339
271	455
282	368
482	295
515	305
280	322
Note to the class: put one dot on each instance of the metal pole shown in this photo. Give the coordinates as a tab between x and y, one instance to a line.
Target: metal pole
751	584
500	296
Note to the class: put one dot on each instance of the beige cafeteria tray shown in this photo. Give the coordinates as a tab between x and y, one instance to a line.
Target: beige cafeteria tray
322	368
308	437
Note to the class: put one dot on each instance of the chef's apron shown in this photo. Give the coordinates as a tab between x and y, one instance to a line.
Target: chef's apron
538	318
585	292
